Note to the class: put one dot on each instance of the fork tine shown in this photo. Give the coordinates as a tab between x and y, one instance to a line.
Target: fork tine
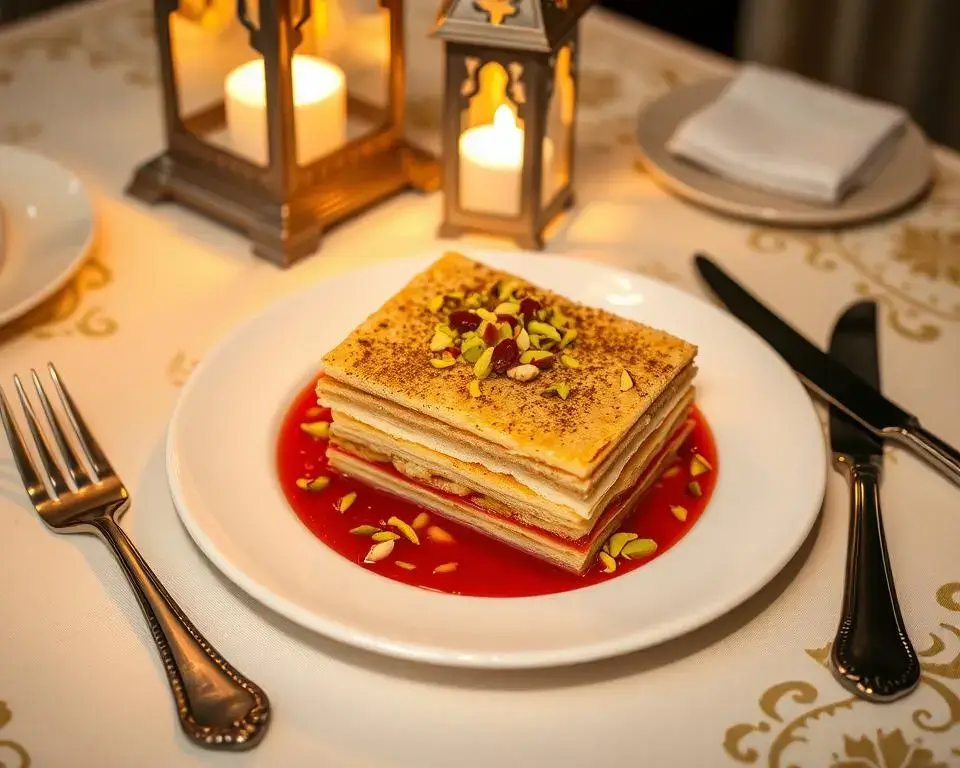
98	460
69	456
36	490
54	474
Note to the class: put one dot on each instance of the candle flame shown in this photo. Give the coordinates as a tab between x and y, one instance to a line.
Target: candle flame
503	119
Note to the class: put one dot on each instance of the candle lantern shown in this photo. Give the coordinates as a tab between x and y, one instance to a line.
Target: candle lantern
282	118
510	107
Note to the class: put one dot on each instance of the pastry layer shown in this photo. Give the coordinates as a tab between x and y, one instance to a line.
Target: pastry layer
556	486
501	492
573	555
387	356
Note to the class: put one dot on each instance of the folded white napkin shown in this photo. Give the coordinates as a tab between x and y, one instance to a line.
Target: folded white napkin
786	134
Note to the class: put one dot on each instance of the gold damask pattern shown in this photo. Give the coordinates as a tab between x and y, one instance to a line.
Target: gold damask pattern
498	10
8	747
783	740
118	36
180	368
70	311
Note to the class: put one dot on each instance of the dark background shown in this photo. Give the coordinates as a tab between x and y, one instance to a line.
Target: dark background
709	23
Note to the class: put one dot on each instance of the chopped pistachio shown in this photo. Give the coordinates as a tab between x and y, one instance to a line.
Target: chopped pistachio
456	295
420	521
679	512
435	304
313	412
505	331
535	341
404	528
626	381
317	428
506	289
437	534
570	361
527	372
471	349
440	341
699	465
406	566
507	308
379	551
444	328
672	472
346	502
609	564
561	390
474	388
484	365
543	329
443	362
694	489
523	339
364	530
639	548
473	301
486	314
445	568
317	484
569	336
385	536
618	541
532	355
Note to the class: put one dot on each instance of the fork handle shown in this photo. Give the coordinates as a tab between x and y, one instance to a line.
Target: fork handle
218	707
872	654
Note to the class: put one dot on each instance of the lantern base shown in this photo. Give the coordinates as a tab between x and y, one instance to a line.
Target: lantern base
530	238
285	233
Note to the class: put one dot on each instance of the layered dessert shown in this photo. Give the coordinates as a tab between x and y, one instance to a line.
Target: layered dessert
533	419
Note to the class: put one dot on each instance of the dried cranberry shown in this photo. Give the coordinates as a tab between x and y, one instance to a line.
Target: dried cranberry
463	320
505	356
508	319
454	352
529	308
490	334
544	363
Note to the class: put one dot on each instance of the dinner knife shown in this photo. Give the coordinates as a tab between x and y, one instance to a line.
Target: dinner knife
828	378
872	654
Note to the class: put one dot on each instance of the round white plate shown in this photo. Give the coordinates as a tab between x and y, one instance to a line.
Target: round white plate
46	229
903	181
220	459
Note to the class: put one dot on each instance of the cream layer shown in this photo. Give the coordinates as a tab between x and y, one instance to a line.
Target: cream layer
580	505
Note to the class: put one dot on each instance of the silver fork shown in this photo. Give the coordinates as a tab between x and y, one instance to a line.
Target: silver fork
218	707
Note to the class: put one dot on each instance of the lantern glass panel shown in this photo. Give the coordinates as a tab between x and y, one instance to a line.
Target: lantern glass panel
560	116
208	45
345	61
491	142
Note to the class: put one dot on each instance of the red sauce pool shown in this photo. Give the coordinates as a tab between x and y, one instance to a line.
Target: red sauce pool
485	568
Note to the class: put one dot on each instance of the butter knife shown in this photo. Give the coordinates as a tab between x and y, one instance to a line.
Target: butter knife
872	654
831	380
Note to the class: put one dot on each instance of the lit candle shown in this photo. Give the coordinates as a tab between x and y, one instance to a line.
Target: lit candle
319	102
491	163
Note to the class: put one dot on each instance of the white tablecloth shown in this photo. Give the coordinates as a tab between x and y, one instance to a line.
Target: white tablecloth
80	681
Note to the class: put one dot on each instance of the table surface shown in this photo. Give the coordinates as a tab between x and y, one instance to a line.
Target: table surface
163	285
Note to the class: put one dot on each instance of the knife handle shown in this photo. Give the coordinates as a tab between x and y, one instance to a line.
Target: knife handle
872	655
930	447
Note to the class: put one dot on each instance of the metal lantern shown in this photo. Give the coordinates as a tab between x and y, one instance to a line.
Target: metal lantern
510	106
282	117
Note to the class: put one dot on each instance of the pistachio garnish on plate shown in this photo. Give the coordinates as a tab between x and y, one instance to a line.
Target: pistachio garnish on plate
445	568
345	502
404	528
679	512
437	534
618	541
694	489
405	565
638	548
364	530
317	484
609	564
379	551
561	390
420	521
699	465
319	429
385	536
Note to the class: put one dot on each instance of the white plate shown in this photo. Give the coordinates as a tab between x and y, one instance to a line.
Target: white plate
904	180
220	459
46	229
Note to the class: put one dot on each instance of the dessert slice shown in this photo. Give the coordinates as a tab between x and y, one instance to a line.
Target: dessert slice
505	407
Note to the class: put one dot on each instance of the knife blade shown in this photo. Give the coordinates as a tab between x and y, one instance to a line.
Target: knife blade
828	378
871	654
854	343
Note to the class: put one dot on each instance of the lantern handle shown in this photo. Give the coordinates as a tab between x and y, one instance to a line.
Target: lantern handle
305	13
244	17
